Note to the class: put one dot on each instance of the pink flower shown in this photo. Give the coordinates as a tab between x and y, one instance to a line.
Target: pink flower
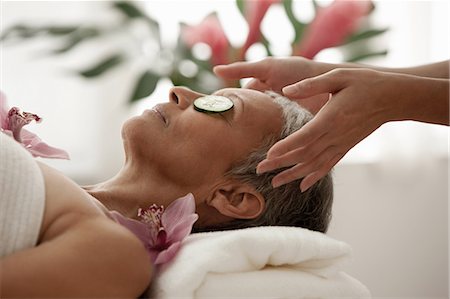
162	231
12	123
331	26
210	32
254	12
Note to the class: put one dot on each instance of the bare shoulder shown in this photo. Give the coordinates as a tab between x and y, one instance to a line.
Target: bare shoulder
80	251
119	259
93	258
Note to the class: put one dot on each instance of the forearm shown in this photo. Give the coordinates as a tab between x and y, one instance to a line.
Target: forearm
433	70
420	99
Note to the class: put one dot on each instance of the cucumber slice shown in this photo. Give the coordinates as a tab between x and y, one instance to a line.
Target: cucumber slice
213	104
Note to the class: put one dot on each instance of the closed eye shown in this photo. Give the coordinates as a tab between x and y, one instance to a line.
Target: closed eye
226	119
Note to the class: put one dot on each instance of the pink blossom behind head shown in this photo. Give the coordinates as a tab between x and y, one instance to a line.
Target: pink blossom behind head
254	12
331	26
210	32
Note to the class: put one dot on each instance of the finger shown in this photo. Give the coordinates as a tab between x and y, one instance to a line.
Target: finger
314	177
289	159
304	169
257	84
315	103
240	70
330	82
310	132
286	176
297	156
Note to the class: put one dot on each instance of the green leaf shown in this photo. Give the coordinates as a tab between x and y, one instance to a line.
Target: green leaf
19	31
23	31
266	45
145	86
298	26
103	66
77	37
129	9
132	11
241	6
60	30
367	55
365	35
316	7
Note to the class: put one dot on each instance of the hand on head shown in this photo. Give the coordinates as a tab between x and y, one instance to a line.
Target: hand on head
362	100
274	74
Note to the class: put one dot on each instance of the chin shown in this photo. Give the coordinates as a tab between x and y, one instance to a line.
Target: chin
137	136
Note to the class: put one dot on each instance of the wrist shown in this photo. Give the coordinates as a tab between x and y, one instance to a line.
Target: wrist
419	98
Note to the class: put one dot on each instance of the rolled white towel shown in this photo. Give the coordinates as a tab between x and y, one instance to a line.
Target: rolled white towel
261	262
22	197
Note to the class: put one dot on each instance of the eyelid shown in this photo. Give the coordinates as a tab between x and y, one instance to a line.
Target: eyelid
226	119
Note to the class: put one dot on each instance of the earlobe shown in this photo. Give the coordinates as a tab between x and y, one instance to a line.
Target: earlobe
238	201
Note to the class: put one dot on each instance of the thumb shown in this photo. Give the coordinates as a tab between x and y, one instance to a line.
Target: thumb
325	83
240	70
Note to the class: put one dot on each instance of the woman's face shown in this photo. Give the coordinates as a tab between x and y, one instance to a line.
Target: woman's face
179	144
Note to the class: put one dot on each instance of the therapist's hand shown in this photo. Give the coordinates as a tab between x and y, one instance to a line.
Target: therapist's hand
276	73
362	100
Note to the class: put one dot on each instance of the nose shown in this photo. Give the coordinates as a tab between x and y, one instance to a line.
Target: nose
183	97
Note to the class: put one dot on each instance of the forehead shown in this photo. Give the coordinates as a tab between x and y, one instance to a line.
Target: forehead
256	109
250	98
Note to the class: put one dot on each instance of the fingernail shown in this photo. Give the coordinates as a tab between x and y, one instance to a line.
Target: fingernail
261	168
289	89
304	188
276	183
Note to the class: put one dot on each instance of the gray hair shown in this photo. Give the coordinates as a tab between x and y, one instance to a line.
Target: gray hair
285	205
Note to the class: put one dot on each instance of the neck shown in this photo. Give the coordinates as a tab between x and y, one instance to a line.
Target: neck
132	189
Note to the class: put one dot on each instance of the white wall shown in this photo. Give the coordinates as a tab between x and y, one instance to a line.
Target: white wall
391	199
395	217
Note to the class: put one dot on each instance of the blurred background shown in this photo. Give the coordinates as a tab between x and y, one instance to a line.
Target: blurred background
87	66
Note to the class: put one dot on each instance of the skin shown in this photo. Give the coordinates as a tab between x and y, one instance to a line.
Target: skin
350	102
166	157
70	259
191	142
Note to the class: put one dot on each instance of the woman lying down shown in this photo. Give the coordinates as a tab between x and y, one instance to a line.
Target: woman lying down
92	241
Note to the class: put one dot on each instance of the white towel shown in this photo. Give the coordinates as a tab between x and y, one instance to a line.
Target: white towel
22	197
261	262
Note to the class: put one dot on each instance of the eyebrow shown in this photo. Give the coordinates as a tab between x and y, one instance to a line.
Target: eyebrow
240	100
234	98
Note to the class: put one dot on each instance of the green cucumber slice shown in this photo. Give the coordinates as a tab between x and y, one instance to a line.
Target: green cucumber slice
213	104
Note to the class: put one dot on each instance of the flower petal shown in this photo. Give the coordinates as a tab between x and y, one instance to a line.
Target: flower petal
38	148
331	26
141	230
177	211
182	229
210	32
254	14
168	254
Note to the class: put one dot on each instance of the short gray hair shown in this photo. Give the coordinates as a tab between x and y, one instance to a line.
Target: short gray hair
285	205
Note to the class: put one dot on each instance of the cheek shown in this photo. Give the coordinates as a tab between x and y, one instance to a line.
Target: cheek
139	138
202	151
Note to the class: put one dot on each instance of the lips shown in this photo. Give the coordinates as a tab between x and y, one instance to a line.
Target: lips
160	112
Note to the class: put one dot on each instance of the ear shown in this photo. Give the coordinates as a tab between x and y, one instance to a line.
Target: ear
237	200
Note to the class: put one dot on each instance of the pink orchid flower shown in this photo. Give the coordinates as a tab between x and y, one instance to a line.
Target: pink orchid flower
162	231
254	12
210	32
331	26
12	123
